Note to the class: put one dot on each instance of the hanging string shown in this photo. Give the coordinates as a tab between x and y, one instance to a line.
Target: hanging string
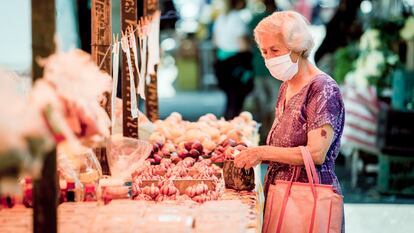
110	48
169	15
106	54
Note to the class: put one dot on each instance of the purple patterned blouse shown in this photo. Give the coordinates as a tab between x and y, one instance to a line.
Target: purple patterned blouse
318	103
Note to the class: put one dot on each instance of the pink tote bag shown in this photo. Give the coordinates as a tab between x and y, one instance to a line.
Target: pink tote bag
294	207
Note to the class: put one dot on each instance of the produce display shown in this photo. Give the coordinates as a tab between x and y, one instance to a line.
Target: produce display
186	151
167	171
174	136
179	187
183	169
227	150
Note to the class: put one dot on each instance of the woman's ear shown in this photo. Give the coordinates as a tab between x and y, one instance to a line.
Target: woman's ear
294	56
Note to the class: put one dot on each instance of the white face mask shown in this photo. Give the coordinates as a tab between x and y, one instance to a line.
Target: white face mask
282	67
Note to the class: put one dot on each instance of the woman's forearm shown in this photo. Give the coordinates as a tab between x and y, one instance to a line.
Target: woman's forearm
287	155
319	141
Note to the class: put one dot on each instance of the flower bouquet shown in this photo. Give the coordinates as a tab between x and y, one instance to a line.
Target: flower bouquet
63	106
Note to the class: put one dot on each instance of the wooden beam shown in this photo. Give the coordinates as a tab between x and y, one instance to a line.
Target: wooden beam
101	54
101	35
128	18
151	92
43	32
45	196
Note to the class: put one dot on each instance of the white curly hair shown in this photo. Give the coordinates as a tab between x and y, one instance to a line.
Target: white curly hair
293	28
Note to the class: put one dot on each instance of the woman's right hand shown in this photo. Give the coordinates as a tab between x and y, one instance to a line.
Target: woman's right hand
248	158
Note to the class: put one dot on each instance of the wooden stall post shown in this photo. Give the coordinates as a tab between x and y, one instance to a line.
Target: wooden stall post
43	32
45	189
151	104
101	54
45	197
128	18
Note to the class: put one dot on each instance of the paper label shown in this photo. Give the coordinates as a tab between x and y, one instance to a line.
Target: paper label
134	104
115	71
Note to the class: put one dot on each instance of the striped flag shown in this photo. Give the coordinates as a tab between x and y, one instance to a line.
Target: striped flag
361	117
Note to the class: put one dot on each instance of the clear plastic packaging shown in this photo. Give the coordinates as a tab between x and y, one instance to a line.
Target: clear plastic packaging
80	167
67	173
90	170
125	155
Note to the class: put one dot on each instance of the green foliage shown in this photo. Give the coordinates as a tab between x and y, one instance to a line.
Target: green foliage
389	28
344	58
390	39
374	56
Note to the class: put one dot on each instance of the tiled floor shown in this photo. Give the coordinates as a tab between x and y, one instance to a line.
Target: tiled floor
379	218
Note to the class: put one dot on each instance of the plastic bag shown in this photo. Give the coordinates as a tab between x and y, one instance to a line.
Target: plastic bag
125	155
145	130
79	165
238	178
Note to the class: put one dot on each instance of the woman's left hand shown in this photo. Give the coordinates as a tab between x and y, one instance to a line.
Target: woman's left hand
247	158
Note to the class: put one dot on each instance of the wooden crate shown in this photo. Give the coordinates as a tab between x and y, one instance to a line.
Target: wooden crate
396	174
395	132
182	185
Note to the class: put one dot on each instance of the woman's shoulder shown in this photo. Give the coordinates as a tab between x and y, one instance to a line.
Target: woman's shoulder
323	82
323	79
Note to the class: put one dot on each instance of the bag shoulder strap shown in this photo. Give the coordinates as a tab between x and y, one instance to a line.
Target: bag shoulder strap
310	168
313	179
309	165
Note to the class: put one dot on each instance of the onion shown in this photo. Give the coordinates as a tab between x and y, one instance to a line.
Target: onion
194	153
182	153
143	197
157	137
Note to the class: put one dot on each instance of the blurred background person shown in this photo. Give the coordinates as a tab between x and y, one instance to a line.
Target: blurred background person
341	30
233	66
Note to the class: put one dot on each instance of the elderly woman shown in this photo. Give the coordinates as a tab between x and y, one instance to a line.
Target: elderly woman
309	108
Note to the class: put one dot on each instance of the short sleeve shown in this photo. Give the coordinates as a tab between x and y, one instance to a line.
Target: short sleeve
325	105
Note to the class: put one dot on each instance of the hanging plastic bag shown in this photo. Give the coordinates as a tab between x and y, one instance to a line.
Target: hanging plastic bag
238	178
125	155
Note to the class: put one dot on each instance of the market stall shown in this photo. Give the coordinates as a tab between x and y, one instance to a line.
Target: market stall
179	176
176	185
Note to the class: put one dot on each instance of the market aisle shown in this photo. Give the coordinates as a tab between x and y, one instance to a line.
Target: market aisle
192	105
379	218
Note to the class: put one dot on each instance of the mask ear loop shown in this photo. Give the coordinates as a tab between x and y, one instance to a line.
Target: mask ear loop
299	56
